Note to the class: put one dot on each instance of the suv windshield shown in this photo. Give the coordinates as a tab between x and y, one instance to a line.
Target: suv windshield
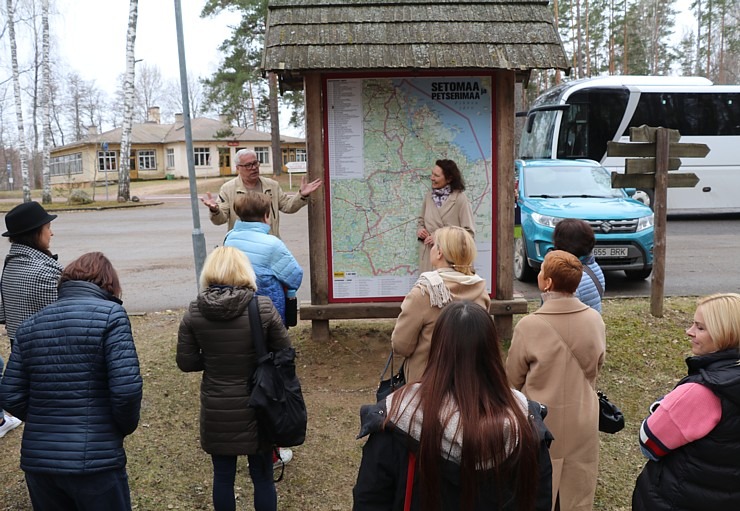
569	182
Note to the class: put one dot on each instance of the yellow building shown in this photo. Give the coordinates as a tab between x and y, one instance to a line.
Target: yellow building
158	151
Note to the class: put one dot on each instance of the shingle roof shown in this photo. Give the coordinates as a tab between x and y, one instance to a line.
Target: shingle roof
343	35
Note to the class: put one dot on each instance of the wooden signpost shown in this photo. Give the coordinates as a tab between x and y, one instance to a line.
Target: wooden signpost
651	154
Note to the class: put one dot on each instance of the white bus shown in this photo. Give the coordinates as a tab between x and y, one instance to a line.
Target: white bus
577	118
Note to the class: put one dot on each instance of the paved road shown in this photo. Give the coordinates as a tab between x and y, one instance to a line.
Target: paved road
702	257
152	249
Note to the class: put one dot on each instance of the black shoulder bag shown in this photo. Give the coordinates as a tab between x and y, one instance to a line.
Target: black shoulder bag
276	391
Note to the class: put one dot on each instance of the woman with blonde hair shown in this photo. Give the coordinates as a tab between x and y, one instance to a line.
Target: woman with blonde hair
691	438
555	356
215	336
453	278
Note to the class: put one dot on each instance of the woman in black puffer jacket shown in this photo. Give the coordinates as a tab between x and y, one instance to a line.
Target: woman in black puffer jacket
215	337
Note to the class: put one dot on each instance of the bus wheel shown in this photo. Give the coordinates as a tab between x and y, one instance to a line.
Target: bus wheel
522	270
645	195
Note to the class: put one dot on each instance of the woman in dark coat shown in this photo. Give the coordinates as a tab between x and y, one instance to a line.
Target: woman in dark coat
73	376
692	436
215	337
465	439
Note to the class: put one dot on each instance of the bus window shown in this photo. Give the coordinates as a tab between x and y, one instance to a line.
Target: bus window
591	121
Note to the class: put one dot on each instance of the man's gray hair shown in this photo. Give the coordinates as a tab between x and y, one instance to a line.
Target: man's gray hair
245	152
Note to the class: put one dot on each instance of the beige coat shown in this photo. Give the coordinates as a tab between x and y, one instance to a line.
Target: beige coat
555	356
412	335
455	211
280	202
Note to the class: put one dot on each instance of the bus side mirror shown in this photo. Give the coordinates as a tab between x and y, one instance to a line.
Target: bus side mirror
530	122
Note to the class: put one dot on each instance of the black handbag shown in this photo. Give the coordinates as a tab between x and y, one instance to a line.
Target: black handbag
611	418
396	381
276	391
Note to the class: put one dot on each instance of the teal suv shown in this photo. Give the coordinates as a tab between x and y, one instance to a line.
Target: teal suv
550	190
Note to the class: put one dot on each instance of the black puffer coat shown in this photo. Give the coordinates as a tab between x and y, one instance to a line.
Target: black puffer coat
701	475
73	377
215	337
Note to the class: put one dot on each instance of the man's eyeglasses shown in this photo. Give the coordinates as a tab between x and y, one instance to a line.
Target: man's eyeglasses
250	165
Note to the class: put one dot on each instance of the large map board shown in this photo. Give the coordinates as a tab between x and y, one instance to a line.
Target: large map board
383	137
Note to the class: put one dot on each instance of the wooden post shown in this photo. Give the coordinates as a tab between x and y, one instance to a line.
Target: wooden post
317	204
503	196
657	286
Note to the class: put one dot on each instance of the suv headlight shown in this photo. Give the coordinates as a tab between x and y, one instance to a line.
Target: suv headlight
645	222
547	221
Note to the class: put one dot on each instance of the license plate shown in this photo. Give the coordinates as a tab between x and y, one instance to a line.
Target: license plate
611	251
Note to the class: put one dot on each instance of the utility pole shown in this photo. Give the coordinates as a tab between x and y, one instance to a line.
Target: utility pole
199	240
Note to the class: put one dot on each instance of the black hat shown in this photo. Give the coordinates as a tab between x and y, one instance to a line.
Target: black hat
26	217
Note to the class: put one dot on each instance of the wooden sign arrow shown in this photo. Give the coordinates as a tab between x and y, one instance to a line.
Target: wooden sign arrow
677	180
646	133
648	150
647	165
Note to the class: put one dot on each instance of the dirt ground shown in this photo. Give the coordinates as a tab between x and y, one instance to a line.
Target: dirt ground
166	466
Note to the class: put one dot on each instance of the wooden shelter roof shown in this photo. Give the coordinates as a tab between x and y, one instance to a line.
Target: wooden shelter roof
369	35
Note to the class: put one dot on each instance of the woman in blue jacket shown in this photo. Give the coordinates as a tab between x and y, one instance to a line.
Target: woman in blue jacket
73	377
278	273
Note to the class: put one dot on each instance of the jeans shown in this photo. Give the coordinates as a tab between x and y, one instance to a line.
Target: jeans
103	490
260	471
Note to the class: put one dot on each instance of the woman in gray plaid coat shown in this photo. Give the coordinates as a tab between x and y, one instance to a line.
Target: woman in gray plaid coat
30	275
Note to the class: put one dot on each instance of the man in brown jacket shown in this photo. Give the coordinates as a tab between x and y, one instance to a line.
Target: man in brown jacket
248	168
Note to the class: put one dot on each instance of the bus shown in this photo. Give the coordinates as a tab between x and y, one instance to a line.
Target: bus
576	119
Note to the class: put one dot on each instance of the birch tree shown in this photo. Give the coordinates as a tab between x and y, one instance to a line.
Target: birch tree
45	101
124	175
22	148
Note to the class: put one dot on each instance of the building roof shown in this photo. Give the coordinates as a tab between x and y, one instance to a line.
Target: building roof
203	129
369	35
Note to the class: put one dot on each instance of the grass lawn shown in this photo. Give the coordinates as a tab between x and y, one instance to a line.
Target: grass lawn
168	470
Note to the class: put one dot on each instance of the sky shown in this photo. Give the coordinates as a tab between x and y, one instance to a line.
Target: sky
90	37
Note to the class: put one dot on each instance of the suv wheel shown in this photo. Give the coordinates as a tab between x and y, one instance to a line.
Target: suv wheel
638	274
522	270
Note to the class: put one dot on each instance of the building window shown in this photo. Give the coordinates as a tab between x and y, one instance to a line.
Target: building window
147	159
263	154
170	158
66	165
300	155
202	156
107	161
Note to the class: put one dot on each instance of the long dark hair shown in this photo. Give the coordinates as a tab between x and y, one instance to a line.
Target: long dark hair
96	268
31	239
465	365
452	174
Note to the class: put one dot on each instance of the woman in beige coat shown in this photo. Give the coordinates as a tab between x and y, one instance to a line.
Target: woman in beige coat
453	278
446	204
555	356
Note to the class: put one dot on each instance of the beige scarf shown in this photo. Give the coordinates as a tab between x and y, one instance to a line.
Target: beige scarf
433	284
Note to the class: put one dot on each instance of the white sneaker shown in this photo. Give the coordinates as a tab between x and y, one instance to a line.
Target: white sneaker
283	459
13	422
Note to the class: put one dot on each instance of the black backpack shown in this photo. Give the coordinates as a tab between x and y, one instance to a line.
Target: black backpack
276	392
